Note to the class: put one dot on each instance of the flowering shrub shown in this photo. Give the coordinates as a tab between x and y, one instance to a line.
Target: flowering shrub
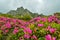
36	29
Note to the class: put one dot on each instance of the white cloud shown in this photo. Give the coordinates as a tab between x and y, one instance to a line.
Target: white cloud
40	6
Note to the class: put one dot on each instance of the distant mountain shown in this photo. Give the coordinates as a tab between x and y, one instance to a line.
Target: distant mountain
25	14
22	11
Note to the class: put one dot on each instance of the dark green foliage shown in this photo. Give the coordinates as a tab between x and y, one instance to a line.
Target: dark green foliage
7	15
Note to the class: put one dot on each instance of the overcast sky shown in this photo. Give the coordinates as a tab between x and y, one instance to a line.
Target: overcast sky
39	6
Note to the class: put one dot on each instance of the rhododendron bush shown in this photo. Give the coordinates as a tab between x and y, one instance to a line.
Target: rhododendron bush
35	29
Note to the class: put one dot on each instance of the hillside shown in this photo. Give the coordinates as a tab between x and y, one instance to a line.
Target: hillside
21	11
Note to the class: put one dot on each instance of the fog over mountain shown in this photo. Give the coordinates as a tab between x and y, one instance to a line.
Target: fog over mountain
46	7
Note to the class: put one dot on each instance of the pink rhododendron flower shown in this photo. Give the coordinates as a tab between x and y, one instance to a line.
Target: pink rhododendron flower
52	18
53	38
4	19
14	20
48	37
27	30
22	26
8	25
44	19
37	19
49	20
58	21
40	25
52	30
26	22
15	30
26	36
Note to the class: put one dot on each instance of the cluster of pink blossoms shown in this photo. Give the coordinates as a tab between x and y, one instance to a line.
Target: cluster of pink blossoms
52	30
48	37
32	32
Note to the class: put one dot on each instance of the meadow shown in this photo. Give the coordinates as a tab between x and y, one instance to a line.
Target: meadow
38	28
